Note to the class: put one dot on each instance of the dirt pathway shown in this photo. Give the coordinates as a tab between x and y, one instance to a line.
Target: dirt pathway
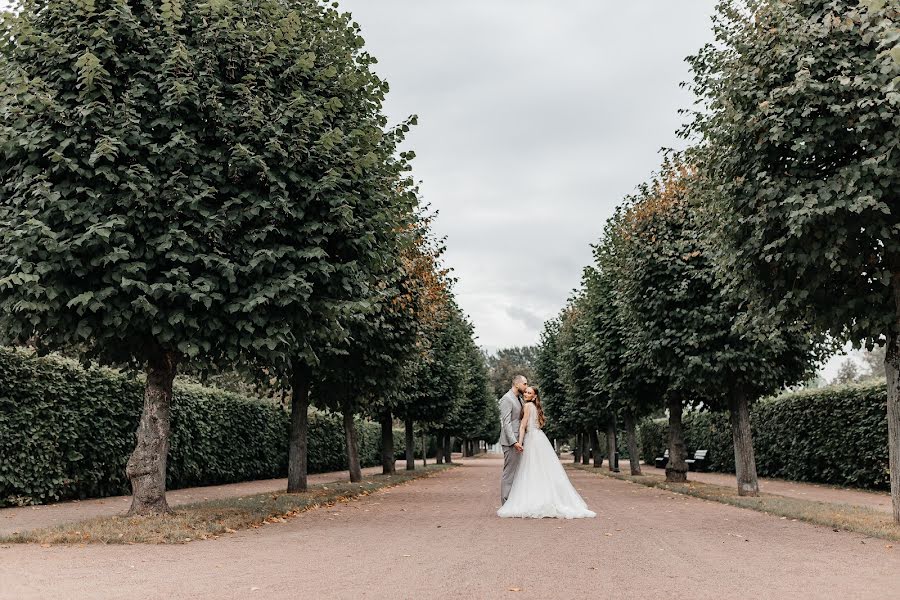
23	518
439	538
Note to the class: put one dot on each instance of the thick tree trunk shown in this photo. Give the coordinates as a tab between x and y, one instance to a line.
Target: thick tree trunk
387	443
448	449
586	448
146	467
892	371
744	457
611	445
297	447
595	443
634	458
576	451
676	469
410	446
352	440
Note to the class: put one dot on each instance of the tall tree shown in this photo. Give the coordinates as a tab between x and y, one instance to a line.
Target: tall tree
620	373
799	143
426	295
711	343
549	380
197	181
506	363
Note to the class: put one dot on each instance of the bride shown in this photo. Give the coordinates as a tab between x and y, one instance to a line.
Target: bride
541	487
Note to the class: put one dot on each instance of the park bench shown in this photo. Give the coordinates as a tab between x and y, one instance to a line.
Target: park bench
662	461
699	462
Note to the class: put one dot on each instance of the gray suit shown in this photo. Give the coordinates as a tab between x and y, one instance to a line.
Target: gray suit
510	415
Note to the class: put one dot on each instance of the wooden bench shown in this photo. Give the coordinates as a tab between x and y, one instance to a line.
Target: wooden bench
662	461
699	462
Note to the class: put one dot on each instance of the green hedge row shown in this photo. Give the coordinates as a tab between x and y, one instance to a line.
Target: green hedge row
835	435
67	432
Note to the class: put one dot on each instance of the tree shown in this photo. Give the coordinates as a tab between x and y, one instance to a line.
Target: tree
548	379
506	363
848	372
799	144
620	372
426	294
448	377
583	408
196	182
364	374
710	343
874	361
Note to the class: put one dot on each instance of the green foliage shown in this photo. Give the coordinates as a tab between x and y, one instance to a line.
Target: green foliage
212	179
654	438
548	379
506	363
66	432
835	435
458	374
799	151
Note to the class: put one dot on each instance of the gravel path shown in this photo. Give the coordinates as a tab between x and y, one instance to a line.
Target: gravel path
439	538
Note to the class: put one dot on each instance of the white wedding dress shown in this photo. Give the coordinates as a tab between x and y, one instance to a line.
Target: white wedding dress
541	487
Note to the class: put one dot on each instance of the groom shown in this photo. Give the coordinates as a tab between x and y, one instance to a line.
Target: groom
510	415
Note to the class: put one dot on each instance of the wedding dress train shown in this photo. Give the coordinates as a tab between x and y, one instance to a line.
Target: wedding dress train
541	487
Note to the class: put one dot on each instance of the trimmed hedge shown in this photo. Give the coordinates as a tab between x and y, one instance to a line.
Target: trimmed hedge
835	435
67	431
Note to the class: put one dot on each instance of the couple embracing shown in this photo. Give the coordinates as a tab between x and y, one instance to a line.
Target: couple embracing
534	483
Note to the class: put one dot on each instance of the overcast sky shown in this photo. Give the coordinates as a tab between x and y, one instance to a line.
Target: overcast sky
535	118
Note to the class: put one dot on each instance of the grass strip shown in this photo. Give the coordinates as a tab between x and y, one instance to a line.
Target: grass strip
839	517
214	518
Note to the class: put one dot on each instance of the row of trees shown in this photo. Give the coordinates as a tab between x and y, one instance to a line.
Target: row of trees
215	187
741	264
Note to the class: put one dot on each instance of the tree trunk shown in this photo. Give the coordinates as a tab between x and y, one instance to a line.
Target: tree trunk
634	458
676	469
352	441
424	449
586	448
387	443
146	467
595	443
576	451
892	371
448	449
744	457
410	446
297	449
439	449
611	445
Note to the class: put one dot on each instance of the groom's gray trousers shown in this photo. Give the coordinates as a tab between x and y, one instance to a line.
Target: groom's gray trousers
510	464
510	416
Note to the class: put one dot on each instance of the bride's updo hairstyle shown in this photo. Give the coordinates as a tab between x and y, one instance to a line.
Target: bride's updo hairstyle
537	404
